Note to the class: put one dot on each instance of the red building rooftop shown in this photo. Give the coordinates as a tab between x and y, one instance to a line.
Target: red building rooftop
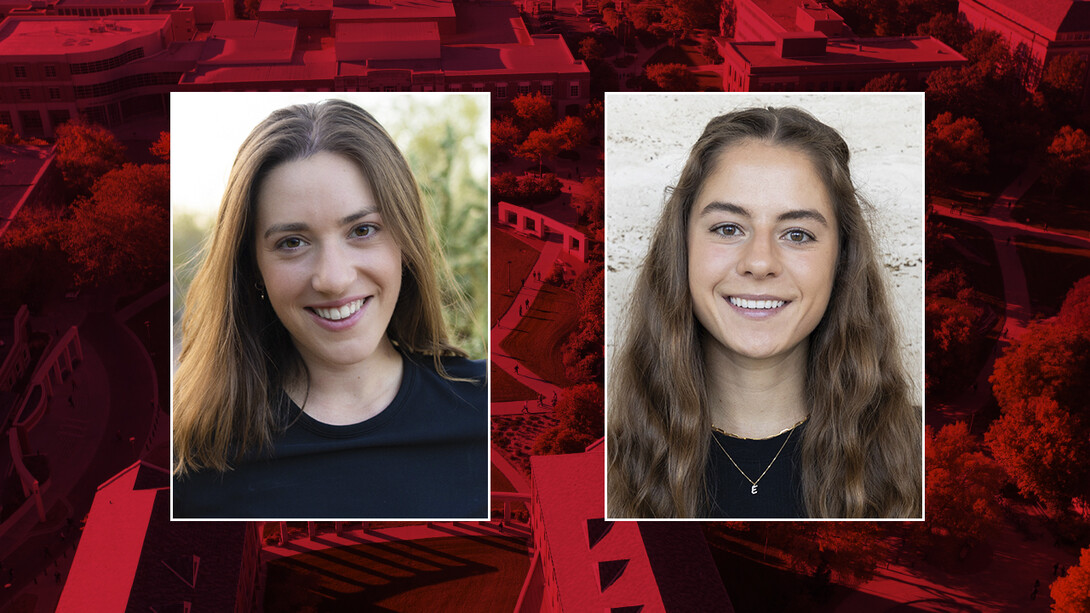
131	557
590	564
855	51
35	36
1046	16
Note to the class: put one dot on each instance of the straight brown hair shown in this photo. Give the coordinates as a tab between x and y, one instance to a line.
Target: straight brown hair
236	355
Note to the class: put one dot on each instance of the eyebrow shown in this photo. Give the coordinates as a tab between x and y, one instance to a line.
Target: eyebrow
302	227
792	215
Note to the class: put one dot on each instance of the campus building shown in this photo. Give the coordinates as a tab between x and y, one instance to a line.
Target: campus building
114	60
53	68
583	562
764	20
131	557
793	45
424	46
1036	31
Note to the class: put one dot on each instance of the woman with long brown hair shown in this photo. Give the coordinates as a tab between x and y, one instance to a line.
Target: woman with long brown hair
760	373
316	378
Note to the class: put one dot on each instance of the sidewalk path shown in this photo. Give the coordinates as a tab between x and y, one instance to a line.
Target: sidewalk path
1018	312
510	320
517	479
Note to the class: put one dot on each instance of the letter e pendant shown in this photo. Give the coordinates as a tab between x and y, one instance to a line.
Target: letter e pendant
753	490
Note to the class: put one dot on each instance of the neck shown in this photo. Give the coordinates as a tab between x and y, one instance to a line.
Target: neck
341	395
755	398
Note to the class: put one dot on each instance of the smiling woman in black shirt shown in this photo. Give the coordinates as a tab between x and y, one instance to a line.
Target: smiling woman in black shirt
760	372
316	378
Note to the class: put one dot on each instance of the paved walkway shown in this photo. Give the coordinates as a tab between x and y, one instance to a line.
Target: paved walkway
997	576
1001	571
85	432
549	254
514	475
1018	311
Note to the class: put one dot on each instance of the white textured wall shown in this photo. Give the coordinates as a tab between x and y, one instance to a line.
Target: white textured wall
648	137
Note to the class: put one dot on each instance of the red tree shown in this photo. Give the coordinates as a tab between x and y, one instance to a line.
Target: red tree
583	351
161	147
955	147
505	134
540	144
1071	593
1068	153
533	111
1044	447
671	77
889	82
1042	384
85	152
571	132
961	485
1061	83
121	231
579	412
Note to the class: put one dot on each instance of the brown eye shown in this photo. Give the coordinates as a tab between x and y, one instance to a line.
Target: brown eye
289	243
798	236
364	230
727	229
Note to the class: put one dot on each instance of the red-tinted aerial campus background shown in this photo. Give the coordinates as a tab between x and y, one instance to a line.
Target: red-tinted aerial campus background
84	366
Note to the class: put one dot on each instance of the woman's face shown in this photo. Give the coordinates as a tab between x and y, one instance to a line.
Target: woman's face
763	247
331	269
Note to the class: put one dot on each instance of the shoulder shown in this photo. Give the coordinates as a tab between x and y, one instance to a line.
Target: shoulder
461	378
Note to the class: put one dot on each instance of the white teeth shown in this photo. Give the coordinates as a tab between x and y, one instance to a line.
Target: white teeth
339	313
757	304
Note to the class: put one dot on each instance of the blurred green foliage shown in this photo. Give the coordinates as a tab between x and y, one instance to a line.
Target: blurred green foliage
445	139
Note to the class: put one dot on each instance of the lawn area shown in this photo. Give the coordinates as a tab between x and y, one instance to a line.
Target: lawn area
463	573
505	387
515	436
1061	212
508	248
1051	269
539	338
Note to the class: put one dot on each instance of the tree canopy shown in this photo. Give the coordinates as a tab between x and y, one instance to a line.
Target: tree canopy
85	152
1071	592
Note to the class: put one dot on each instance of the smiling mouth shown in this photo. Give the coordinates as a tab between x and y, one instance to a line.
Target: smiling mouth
757	305
339	313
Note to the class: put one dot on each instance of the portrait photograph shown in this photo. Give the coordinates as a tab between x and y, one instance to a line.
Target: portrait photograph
764	306
330	266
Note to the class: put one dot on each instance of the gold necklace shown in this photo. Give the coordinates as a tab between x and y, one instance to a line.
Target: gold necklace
753	483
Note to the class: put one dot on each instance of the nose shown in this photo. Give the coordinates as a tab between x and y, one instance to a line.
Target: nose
333	271
759	258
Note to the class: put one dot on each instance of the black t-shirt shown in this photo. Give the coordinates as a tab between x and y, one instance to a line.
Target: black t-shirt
779	492
425	456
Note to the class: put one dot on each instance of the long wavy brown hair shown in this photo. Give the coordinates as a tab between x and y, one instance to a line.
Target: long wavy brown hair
236	355
861	448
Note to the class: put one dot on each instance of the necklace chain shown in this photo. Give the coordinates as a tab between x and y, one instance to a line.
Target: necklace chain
753	482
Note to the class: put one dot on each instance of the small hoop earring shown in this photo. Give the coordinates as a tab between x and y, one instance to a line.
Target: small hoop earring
260	290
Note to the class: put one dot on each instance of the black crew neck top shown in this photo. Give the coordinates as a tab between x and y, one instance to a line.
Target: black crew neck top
425	456
779	492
